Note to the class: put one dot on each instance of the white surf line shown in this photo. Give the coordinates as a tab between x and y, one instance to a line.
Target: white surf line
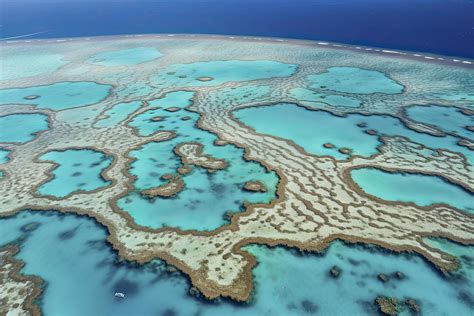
383	51
393	52
389	51
22	36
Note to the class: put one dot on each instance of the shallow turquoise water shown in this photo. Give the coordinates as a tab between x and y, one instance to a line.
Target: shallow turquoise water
354	80
57	96
3	159
77	170
312	129
207	196
134	90
30	124
125	57
221	71
447	119
314	99
82	274
118	113
178	99
27	64
4	155
467	97
459	251
421	189
241	94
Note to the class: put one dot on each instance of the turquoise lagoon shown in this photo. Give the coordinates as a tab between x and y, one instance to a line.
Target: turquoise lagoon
420	189
118	113
177	99
221	71
125	57
82	273
311	129
3	159
4	156
77	170
354	80
31	124
447	119
30	63
57	96
315	99
206	196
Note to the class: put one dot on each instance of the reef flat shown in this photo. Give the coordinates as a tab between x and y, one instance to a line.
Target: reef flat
194	123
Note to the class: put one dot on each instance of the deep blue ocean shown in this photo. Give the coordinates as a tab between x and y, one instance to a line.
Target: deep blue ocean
438	26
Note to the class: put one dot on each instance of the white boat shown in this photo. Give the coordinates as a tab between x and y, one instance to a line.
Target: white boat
119	294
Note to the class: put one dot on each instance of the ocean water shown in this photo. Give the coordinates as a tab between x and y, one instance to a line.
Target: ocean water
76	170
437	26
81	274
207	196
31	124
421	189
312	129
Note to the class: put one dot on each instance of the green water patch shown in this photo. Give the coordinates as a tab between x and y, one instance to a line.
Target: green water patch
125	57
82	264
118	113
57	96
30	63
420	189
315	99
21	128
76	170
354	80
447	119
207	196
213	73
311	129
